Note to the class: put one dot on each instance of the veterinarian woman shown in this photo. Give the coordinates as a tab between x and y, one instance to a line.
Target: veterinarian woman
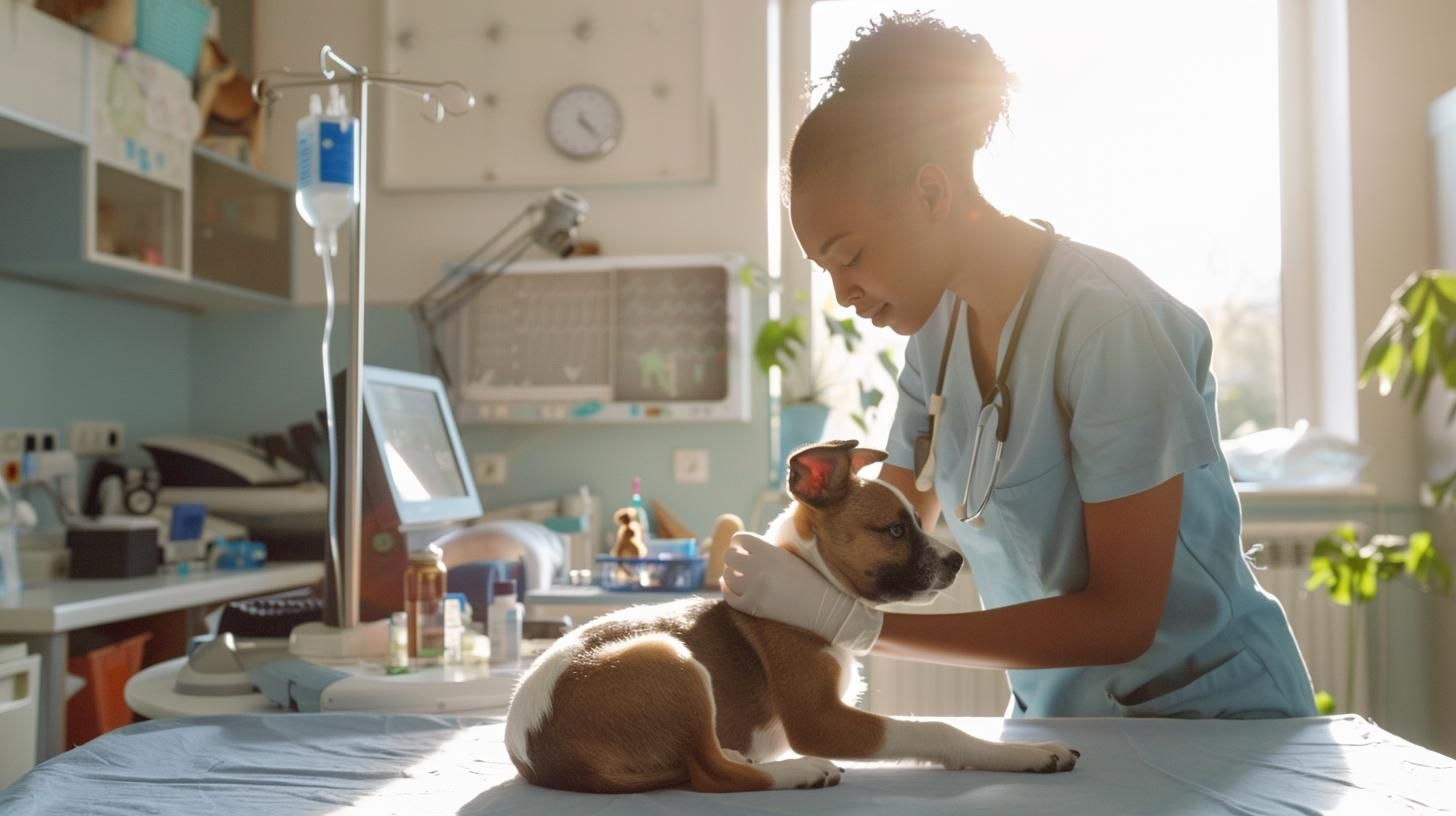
1105	541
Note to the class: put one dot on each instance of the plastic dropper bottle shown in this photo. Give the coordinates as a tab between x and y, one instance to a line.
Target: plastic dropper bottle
641	508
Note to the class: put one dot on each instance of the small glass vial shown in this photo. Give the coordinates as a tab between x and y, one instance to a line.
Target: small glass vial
424	606
398	644
504	621
454	628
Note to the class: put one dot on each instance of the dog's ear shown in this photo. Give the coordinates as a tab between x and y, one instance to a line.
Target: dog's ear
865	456
819	474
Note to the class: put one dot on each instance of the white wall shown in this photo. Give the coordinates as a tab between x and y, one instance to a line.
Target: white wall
413	235
1401	60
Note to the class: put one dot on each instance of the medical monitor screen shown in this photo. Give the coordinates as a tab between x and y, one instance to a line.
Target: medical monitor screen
415	443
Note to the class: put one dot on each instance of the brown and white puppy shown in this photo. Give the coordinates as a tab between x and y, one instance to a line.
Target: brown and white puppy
695	692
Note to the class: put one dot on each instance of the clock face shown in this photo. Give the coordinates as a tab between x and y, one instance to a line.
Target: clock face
584	122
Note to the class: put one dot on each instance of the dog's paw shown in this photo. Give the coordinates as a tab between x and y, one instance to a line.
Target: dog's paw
806	772
736	757
1018	757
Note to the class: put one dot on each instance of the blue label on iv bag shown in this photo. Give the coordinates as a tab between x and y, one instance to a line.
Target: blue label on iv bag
336	153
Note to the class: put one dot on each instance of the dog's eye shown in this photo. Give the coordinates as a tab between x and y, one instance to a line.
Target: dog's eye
897	530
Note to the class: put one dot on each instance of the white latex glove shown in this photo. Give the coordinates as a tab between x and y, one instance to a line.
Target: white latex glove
762	580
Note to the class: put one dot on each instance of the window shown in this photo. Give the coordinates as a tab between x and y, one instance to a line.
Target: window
1143	127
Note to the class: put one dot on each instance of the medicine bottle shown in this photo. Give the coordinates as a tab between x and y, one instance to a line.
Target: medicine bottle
424	607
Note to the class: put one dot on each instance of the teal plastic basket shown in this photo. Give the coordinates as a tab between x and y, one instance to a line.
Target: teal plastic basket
172	31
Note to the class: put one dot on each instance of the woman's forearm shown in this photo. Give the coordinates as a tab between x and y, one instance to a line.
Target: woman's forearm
1069	630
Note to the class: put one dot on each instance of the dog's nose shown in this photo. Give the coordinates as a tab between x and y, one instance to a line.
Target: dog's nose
954	561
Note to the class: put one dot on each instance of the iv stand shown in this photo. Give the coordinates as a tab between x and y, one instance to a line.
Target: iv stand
265	91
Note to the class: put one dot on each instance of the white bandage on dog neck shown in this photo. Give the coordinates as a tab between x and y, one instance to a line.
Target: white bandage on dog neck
782	531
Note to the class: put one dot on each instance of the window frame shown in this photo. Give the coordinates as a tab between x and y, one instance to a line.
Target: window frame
1318	348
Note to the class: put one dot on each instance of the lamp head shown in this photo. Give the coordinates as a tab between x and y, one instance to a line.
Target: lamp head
561	213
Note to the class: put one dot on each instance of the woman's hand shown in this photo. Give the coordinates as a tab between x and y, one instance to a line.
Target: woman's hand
765	581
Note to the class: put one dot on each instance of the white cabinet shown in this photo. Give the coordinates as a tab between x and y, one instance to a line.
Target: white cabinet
42	66
142	116
19	712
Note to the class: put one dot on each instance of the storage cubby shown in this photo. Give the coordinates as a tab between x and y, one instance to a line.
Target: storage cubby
137	221
242	226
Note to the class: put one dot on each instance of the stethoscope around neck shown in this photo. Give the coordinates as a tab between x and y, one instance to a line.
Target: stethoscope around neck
995	407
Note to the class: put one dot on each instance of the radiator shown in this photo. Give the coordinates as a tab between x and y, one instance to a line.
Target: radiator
902	687
1320	627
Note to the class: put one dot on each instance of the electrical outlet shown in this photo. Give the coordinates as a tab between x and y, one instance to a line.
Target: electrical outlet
15	443
690	465
490	468
99	438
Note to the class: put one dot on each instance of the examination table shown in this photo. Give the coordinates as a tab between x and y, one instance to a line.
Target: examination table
419	765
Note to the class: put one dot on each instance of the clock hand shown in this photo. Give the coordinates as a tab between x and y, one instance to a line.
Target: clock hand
586	123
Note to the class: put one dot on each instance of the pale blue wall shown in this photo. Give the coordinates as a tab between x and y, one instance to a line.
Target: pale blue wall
68	356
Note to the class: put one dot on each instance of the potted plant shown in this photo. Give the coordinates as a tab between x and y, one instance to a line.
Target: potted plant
809	373
1352	572
1416	338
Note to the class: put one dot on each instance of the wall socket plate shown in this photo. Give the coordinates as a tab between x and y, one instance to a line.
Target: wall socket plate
490	468
690	465
15	442
97	438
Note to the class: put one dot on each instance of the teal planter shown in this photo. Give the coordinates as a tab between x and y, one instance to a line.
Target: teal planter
800	424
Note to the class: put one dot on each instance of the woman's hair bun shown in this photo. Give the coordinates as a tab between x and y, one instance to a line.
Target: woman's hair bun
905	56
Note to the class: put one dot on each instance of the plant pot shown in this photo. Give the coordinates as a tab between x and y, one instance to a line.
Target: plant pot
800	424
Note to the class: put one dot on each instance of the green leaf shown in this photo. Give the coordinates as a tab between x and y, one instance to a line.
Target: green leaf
1390	568
1419	551
860	421
1375	355
778	341
1423	391
746	274
1441	489
1445	283
871	398
887	362
1389	367
1324	703
1417	289
1344	581
1321	574
1420	352
1367	584
1441	580
1410	384
845	329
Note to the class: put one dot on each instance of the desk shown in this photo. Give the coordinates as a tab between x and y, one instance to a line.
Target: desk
43	615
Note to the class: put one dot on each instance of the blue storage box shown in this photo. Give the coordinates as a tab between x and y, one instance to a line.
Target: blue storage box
651	574
173	31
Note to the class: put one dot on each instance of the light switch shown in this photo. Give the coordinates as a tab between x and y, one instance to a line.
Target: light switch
490	468
690	465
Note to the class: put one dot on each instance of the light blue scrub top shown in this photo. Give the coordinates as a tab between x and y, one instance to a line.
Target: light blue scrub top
1112	396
